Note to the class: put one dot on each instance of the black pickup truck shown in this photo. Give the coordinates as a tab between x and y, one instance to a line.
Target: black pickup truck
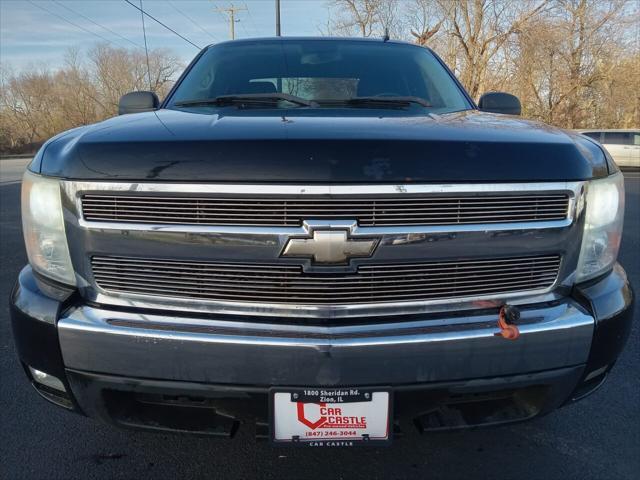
324	240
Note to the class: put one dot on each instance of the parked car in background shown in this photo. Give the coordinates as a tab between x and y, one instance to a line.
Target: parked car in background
622	144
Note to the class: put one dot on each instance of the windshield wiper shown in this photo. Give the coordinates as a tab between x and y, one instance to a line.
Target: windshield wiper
381	101
246	98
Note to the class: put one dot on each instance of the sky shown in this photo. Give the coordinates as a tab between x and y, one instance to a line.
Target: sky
34	33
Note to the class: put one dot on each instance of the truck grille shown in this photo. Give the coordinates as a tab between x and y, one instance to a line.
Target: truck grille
291	211
238	282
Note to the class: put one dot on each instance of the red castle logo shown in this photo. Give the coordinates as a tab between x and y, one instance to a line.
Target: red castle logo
330	417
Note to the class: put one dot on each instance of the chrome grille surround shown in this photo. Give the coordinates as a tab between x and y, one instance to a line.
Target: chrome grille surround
279	283
291	211
250	244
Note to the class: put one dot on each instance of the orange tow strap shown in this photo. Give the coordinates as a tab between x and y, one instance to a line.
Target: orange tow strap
507	330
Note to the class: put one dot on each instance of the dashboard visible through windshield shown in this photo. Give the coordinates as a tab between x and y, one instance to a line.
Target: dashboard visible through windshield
328	73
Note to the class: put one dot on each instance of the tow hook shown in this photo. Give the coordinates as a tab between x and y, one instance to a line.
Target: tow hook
506	318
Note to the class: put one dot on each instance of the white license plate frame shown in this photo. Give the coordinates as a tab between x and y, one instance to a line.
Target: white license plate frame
351	404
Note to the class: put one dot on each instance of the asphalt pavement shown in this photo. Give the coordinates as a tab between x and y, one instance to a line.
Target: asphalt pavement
597	438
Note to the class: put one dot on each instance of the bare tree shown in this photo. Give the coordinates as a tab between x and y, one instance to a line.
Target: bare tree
37	104
118	71
617	102
584	25
424	19
390	19
361	16
482	28
572	66
82	107
29	103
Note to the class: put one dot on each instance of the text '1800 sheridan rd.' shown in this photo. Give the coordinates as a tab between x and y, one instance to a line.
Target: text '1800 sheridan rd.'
326	237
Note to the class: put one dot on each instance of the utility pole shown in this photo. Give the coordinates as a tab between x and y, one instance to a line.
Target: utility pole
231	11
277	18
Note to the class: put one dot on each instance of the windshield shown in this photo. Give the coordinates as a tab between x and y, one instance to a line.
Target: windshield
327	71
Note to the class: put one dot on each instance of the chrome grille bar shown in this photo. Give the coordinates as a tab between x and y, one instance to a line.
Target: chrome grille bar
290	284
292	211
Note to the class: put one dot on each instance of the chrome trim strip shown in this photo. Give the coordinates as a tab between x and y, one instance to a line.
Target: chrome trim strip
356	231
286	189
411	352
425	331
261	309
76	189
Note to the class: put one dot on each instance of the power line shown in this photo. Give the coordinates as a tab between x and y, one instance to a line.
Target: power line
69	21
231	10
222	17
204	30
164	25
244	29
96	23
146	50
255	28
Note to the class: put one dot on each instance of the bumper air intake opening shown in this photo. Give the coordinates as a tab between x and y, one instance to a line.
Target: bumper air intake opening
49	387
483	409
590	384
174	413
54	396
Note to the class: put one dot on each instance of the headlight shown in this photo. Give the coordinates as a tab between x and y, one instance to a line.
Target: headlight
603	226
43	228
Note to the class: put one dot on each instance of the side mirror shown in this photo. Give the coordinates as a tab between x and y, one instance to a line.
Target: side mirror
500	102
135	102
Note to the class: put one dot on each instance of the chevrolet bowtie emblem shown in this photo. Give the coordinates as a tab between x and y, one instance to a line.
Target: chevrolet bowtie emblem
329	247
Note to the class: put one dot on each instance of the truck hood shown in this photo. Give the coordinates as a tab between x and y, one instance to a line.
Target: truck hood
300	146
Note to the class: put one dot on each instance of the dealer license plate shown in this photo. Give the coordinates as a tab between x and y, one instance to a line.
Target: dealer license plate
331	417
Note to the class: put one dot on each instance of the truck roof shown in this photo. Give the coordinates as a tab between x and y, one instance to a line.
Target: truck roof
310	38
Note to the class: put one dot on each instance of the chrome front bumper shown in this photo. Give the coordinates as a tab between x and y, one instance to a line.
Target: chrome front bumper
219	351
113	362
